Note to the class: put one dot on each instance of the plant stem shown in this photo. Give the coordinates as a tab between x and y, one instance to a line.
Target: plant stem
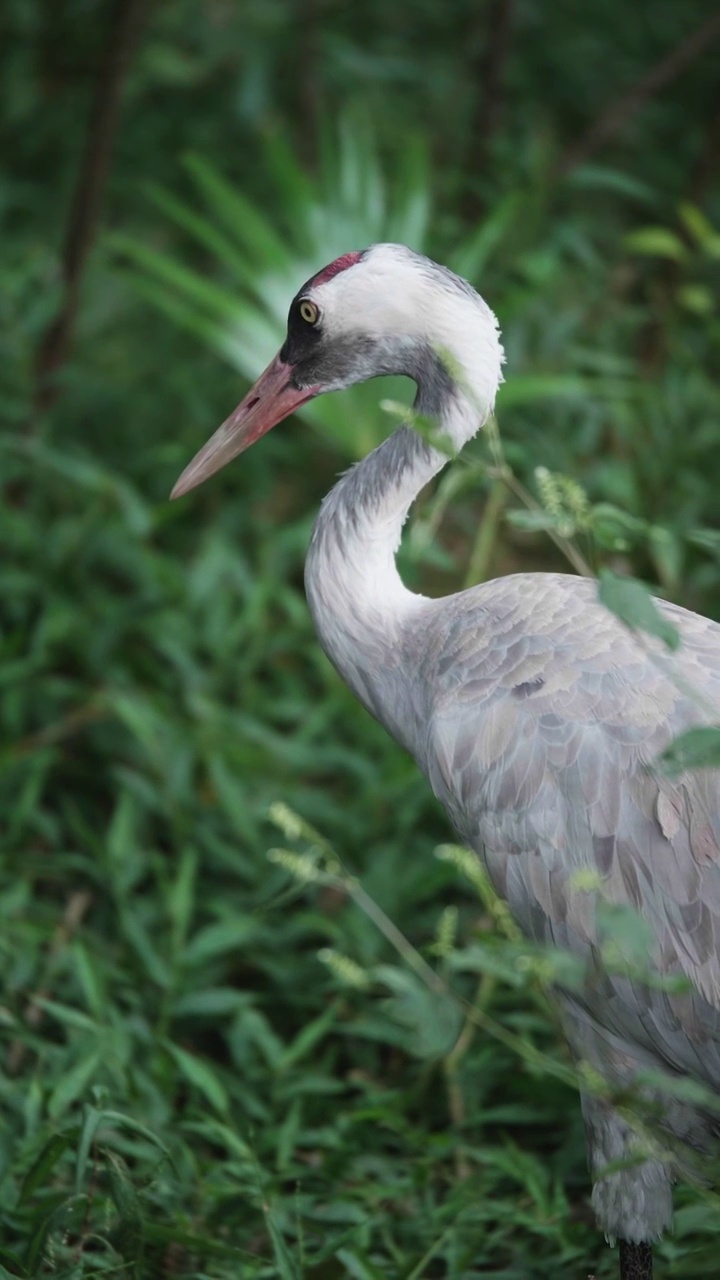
394	936
84	217
616	115
481	555
571	553
451	1065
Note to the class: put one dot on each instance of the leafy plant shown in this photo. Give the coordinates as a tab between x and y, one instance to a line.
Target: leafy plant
350	204
211	1067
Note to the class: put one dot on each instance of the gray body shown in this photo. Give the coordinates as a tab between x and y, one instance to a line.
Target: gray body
536	716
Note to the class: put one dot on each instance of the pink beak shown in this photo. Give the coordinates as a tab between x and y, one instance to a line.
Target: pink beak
272	398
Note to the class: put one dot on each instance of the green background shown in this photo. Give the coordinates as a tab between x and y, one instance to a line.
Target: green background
220	1063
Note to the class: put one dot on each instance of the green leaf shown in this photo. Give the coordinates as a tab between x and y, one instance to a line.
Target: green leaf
708	539
527	388
531	521
138	936
122	1121
64	1217
73	1084
210	298
219	938
696	749
204	231
45	1162
182	896
287	1136
659	242
700	228
431	1020
306	1040
90	973
10	1265
470	259
625	937
633	604
241	217
595	176
91	1123
201	1076
358	1266
67	1015
131	1233
122	1189
614	528
696	298
287	1267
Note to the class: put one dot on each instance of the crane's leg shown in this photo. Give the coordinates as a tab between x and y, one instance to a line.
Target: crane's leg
635	1261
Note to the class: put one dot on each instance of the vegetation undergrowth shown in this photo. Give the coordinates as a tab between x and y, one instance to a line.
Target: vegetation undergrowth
259	1018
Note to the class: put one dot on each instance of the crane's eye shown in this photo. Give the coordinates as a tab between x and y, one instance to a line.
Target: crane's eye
309	312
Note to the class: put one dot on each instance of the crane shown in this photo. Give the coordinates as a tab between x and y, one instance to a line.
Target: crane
533	712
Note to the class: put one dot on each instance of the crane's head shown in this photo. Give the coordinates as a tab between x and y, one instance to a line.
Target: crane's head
385	310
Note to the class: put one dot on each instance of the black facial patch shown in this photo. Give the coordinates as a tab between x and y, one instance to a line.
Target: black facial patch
303	346
303	340
318	359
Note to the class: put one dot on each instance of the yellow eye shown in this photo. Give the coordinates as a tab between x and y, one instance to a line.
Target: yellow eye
309	312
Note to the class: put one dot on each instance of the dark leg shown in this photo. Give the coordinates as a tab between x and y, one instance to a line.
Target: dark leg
635	1261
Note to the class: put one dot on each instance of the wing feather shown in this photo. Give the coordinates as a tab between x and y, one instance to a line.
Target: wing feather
543	743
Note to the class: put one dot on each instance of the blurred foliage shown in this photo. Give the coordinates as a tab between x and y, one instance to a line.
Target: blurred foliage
215	1062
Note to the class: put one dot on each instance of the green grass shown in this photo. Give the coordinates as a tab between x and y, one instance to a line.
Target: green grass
210	1066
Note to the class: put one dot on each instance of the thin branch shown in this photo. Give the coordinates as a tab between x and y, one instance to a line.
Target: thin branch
395	936
705	168
51	734
492	73
571	553
488	42
478	569
87	199
615	117
501	471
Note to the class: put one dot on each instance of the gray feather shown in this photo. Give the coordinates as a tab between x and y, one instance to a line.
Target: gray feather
538	719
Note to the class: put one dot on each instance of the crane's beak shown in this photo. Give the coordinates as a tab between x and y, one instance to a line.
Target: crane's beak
272	398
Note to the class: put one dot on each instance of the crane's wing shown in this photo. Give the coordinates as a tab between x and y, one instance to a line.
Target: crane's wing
546	718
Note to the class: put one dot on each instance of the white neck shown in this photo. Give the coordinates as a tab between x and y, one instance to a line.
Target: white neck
358	600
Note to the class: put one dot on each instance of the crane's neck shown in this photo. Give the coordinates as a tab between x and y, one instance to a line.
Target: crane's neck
360	606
